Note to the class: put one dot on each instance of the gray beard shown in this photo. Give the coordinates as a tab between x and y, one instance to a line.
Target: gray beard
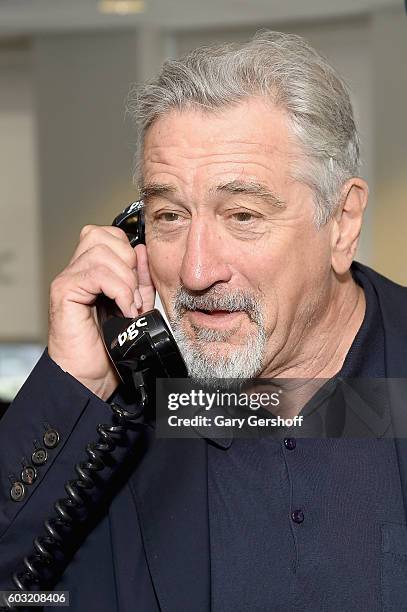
203	362
201	350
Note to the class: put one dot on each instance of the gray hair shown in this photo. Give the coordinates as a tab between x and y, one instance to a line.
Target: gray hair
282	68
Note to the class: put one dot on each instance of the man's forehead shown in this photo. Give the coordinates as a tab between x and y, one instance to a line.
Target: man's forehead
224	147
249	125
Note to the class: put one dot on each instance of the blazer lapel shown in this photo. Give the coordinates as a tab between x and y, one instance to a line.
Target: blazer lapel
396	346
171	495
394	313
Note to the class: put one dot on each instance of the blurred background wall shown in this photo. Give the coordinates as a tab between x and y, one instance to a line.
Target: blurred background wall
66	148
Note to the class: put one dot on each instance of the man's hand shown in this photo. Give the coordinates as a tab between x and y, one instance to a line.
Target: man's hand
104	262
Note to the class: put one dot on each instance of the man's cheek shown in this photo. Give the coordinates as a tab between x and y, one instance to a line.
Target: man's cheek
161	268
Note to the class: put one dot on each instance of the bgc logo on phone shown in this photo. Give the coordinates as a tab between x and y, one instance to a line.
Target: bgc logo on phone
132	331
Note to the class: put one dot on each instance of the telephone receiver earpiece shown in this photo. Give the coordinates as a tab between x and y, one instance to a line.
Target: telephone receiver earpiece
145	343
131	221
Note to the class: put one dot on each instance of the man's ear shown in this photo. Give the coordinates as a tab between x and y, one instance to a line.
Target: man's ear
347	223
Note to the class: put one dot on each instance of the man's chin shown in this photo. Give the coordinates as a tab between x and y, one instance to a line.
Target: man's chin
214	350
217	359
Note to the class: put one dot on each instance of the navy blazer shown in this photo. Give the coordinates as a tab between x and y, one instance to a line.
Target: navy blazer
148	547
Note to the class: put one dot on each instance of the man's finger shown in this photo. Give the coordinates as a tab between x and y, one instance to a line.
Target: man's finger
146	287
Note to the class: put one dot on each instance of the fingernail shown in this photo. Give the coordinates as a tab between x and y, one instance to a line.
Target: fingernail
134	311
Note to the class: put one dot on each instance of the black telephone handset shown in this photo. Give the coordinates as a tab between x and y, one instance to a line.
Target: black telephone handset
144	344
141	350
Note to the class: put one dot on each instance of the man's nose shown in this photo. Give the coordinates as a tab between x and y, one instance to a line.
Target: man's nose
203	263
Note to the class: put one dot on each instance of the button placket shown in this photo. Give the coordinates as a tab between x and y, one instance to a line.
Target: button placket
297	515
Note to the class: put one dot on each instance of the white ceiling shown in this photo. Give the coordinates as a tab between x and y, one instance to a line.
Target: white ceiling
28	16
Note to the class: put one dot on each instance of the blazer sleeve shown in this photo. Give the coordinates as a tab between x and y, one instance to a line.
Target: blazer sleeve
50	401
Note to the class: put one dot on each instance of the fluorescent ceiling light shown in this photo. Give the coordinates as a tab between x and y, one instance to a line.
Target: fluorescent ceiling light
121	7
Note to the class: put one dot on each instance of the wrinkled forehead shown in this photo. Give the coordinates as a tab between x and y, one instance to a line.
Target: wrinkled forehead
250	130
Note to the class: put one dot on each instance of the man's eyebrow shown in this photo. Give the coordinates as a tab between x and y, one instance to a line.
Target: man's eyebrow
251	188
254	188
150	190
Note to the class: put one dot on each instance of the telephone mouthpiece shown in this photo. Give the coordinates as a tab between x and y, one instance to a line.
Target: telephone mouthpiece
143	343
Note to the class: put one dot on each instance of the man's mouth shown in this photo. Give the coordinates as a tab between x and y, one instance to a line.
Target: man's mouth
211	312
216	318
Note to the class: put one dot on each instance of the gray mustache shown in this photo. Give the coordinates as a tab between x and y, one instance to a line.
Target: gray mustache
232	302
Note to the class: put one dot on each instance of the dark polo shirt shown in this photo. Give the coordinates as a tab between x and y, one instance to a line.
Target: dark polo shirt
302	524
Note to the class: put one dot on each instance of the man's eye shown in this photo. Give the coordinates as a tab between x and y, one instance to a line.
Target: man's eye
168	216
243	216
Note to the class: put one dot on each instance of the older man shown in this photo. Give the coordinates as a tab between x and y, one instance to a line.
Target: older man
253	208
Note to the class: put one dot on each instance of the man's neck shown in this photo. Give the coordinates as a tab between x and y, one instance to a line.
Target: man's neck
323	351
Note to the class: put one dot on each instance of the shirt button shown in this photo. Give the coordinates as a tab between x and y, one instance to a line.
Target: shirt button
297	516
51	438
17	491
290	443
39	457
28	474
